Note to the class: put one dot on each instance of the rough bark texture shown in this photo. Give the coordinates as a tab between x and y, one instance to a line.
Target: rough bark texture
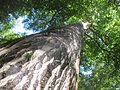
43	61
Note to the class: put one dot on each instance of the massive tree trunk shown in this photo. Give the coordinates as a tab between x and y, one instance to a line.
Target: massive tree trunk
43	61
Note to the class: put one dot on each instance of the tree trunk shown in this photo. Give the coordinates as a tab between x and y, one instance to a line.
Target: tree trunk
43	61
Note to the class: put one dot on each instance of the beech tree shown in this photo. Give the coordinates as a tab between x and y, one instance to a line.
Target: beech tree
43	61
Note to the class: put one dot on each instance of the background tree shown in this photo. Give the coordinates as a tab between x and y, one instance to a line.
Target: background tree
101	43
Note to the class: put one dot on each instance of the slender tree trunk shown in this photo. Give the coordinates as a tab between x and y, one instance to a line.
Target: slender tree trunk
43	61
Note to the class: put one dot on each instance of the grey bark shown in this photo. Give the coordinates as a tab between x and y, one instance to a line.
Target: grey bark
43	61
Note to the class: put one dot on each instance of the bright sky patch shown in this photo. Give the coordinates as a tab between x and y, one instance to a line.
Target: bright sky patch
19	27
